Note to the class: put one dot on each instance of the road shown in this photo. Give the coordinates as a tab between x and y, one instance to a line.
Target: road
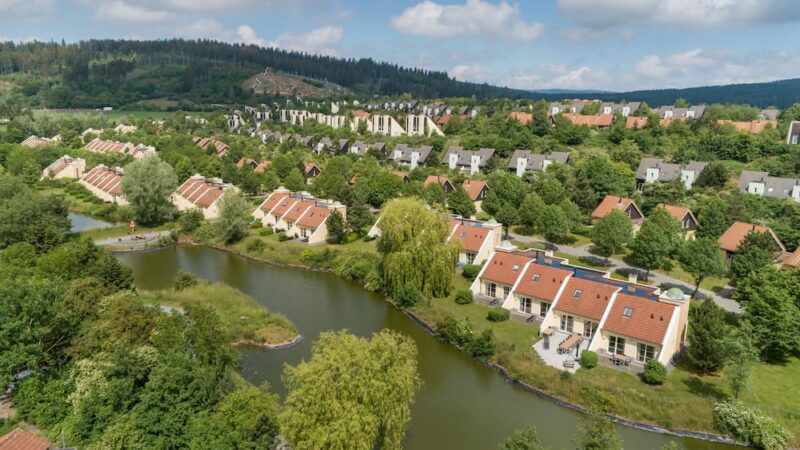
657	278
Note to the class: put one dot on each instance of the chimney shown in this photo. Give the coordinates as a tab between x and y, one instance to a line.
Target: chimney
633	277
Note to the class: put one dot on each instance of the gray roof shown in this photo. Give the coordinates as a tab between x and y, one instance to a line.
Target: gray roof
405	156
794	130
464	156
668	171
769	114
360	148
775	187
536	160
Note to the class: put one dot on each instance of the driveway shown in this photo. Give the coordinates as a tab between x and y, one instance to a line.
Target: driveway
657	278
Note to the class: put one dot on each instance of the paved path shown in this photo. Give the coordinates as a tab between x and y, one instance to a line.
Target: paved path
657	278
133	241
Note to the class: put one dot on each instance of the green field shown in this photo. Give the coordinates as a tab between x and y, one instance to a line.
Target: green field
114	115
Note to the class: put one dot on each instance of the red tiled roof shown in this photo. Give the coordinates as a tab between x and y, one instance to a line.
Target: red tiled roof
98	145
297	209
360	113
592	301
257	167
547	283
734	235
472	237
635	122
648	321
436	179
315	217
678	212
755	126
309	166
200	191
599	120
20	439
611	202
474	188
500	268
793	259
106	179
272	201
523	118
34	142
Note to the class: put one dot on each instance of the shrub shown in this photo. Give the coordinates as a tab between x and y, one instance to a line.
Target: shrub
407	296
498	314
256	225
470	271
266	232
482	346
463	297
750	425
283	237
565	375
374	281
452	331
351	237
256	246
588	359
654	372
355	266
183	280
190	221
207	232
318	259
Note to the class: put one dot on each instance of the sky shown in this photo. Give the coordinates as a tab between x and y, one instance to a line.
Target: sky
615	45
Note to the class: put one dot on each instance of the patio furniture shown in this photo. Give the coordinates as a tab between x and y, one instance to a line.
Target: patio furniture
569	342
569	363
628	360
617	359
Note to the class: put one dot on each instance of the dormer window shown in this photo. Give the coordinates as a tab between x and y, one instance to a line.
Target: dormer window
628	311
535	277
577	293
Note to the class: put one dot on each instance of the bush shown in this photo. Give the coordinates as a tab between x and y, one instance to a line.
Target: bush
374	281
265	232
454	332
256	225
282	237
256	246
588	359
355	266
206	232
482	346
749	425
190	221
463	297
351	237
471	271
498	314
654	372
407	296
183	280
318	259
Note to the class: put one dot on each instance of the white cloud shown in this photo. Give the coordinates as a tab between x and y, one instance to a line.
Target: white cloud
323	40
120	11
206	29
651	67
475	17
14	10
477	74
603	14
677	64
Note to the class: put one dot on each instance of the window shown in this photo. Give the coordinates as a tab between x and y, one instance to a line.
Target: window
794	139
461	236
470	258
491	289
543	308
567	323
506	291
628	311
645	353
616	345
525	305
577	293
535	277
515	268
589	328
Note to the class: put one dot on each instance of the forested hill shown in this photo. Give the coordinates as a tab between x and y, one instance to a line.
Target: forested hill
118	72
780	94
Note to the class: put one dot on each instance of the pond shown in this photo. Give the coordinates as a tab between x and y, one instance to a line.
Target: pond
462	405
85	223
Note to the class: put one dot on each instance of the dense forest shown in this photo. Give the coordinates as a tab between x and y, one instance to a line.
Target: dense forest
120	72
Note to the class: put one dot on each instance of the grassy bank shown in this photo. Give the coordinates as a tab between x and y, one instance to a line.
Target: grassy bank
243	318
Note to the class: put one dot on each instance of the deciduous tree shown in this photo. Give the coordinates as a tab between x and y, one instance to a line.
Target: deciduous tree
702	258
612	233
147	185
234	216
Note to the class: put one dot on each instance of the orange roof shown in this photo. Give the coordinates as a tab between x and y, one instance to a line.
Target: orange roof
500	268
201	191
523	118
436	179
272	201
754	126
298	209
648	321
98	145
635	122
474	188
360	113
472	237
106	179
733	236
314	217
793	259
611	202
402	175
585	298
257	167
599	120
309	166
20	439
542	281
678	212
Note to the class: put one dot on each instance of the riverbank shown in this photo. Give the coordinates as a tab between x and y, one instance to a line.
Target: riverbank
682	406
246	322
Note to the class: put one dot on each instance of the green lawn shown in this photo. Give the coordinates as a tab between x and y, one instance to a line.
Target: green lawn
714	284
243	318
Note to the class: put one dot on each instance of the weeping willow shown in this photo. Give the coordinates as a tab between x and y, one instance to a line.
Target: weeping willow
414	248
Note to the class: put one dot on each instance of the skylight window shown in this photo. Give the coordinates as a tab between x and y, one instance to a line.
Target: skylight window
535	277
461	235
577	293
515	268
627	312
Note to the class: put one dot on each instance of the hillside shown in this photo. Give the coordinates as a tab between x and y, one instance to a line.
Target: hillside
781	94
270	82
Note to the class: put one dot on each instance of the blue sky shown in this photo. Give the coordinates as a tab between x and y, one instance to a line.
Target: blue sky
577	44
